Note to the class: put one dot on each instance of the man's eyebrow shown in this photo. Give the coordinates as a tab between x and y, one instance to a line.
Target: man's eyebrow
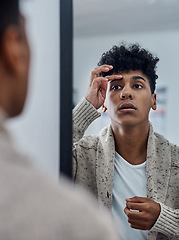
110	81
138	77
133	77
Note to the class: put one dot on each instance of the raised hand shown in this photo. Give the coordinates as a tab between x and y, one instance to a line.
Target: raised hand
96	93
146	212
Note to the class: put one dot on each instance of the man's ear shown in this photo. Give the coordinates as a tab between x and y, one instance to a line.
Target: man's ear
154	101
12	50
104	108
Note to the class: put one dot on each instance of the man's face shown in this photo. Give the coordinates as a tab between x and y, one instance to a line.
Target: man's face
23	68
129	99
14	68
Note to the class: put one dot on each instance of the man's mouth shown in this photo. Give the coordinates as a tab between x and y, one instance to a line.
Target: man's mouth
127	107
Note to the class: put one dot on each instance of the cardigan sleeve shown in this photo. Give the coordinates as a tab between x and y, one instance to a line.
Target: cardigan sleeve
83	115
168	221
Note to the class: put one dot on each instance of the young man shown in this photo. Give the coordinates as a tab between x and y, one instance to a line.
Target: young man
34	206
129	168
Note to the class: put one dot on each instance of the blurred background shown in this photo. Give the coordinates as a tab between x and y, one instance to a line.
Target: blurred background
154	24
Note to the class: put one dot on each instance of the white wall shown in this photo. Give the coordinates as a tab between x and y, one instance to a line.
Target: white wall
87	52
37	129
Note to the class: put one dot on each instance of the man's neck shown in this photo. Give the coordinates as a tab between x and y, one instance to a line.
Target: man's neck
131	142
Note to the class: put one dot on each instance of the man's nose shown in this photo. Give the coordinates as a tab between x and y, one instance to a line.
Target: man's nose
126	93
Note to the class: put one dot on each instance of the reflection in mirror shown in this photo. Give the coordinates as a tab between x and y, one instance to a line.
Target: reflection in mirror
127	159
154	24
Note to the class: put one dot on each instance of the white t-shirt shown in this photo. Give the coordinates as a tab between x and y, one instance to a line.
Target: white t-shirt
129	181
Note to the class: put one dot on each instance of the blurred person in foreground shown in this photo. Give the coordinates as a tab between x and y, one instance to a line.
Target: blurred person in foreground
33	205
131	169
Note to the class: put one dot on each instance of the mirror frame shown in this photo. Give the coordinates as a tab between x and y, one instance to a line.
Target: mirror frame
66	83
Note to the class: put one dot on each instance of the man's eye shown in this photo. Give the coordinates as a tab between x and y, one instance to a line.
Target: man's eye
116	87
138	86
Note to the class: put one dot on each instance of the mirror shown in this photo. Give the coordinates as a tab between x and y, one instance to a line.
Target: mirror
154	24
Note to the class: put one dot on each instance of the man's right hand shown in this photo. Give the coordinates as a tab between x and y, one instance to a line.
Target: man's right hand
96	93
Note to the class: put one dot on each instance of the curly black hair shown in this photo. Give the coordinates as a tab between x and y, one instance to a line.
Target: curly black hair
124	58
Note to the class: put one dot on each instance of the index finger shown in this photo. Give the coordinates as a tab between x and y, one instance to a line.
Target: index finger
135	206
137	199
114	77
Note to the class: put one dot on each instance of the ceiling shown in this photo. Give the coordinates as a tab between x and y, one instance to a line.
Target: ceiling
101	17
